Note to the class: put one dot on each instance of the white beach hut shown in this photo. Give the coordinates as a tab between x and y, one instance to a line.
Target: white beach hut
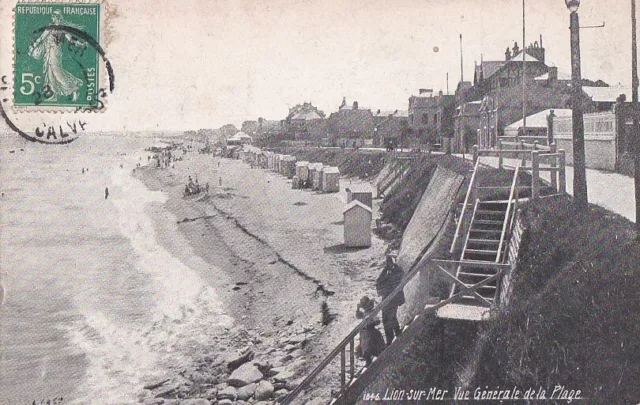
360	192
314	175
357	224
330	179
302	170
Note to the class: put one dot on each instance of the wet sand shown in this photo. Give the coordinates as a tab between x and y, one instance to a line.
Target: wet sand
271	253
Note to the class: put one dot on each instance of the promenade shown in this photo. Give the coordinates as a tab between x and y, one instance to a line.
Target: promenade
612	191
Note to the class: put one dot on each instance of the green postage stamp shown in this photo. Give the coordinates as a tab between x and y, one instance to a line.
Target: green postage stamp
57	56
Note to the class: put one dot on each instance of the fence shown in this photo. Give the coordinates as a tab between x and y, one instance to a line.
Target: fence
600	139
535	158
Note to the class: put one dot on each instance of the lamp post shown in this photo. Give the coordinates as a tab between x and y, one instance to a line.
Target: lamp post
579	166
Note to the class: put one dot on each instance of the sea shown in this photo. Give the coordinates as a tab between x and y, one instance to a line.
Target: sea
92	306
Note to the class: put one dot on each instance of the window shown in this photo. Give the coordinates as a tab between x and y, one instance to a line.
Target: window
425	118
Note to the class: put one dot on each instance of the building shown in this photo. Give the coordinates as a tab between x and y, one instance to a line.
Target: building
239	138
466	124
389	130
423	117
431	117
350	125
357	224
493	75
305	122
499	88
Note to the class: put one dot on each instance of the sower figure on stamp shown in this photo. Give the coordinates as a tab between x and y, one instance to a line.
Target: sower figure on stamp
48	47
371	341
386	283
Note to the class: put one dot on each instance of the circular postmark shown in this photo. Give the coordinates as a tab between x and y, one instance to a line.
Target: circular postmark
65	126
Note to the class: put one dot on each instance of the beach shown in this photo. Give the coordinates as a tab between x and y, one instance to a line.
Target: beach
271	253
102	297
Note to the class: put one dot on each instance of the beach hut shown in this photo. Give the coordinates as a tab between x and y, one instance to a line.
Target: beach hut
282	167
289	166
302	172
357	224
360	192
314	175
330	179
313	167
272	161
276	163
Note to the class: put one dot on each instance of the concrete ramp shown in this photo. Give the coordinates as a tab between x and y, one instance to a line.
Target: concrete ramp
429	217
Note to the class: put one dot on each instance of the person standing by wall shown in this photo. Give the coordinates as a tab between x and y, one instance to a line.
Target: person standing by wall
387	282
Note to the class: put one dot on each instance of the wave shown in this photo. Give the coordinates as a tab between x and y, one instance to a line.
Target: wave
123	354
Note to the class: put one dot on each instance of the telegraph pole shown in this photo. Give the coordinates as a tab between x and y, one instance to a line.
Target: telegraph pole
635	112
524	76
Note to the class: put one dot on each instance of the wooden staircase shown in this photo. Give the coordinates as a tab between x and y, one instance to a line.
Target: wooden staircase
485	225
481	245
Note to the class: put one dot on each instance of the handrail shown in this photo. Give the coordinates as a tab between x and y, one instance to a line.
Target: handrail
416	267
508	213
343	344
464	208
466	241
489	152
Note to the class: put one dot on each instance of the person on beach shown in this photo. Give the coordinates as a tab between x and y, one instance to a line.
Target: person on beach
106	193
207	188
83	170
387	282
371	341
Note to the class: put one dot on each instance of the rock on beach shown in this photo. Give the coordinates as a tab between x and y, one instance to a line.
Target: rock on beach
245	374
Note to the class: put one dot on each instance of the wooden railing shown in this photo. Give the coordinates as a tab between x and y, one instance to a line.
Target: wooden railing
532	160
350	342
508	217
465	214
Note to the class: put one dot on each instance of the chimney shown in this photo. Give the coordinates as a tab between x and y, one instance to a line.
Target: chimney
507	54
355	105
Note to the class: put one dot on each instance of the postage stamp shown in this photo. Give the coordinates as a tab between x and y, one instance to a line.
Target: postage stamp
56	56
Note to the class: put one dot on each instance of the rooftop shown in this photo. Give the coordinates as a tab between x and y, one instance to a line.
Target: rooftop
356	203
606	94
539	119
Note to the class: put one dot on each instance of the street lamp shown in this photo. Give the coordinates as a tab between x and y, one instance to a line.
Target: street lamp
579	166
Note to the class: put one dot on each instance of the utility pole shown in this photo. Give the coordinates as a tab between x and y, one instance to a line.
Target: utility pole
635	112
579	165
461	62
524	76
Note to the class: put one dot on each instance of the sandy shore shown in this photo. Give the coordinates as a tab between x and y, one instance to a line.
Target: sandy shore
273	255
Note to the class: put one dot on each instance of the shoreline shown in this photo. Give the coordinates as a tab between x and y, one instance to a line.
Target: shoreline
251	236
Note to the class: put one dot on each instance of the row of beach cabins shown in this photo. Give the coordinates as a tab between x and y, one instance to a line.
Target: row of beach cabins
358	211
312	175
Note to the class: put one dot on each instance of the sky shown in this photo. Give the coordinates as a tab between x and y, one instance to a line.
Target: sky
194	64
